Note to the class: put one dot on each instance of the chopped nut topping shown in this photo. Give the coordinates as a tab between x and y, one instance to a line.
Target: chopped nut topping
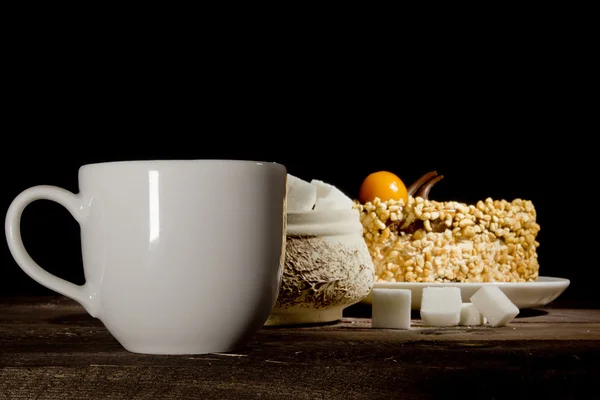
432	241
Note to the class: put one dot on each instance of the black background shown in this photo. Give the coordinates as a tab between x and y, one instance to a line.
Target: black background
496	121
501	165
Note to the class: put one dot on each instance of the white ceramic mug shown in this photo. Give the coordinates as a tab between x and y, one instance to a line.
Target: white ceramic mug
179	256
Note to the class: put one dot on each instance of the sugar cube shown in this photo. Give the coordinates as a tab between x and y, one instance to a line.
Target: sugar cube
470	315
301	195
391	308
494	305
440	306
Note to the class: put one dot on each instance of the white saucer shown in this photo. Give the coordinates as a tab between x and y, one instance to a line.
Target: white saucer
524	295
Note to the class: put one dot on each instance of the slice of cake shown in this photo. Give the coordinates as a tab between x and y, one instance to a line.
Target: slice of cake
422	240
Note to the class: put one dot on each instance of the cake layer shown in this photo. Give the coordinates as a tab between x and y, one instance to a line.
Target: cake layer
432	241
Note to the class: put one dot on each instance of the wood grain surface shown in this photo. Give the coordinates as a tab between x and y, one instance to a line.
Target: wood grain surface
51	349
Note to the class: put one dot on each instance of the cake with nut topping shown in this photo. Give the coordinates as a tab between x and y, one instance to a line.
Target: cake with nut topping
414	239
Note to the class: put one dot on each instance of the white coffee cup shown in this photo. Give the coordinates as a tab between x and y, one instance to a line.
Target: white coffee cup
179	256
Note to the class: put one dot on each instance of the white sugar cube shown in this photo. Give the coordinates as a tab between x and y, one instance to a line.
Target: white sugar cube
470	315
301	195
391	308
332	194
440	306
495	306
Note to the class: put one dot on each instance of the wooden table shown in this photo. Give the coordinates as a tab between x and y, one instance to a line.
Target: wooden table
51	349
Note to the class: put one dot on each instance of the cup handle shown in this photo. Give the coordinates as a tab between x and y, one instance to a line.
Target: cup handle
82	294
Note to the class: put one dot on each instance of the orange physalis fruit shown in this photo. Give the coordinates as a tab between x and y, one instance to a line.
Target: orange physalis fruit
384	185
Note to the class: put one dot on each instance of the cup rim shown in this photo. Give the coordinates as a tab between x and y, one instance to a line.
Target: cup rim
158	162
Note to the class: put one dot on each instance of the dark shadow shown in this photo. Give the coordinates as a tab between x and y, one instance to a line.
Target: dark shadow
79	319
565	302
365	311
359	310
531	312
307	325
